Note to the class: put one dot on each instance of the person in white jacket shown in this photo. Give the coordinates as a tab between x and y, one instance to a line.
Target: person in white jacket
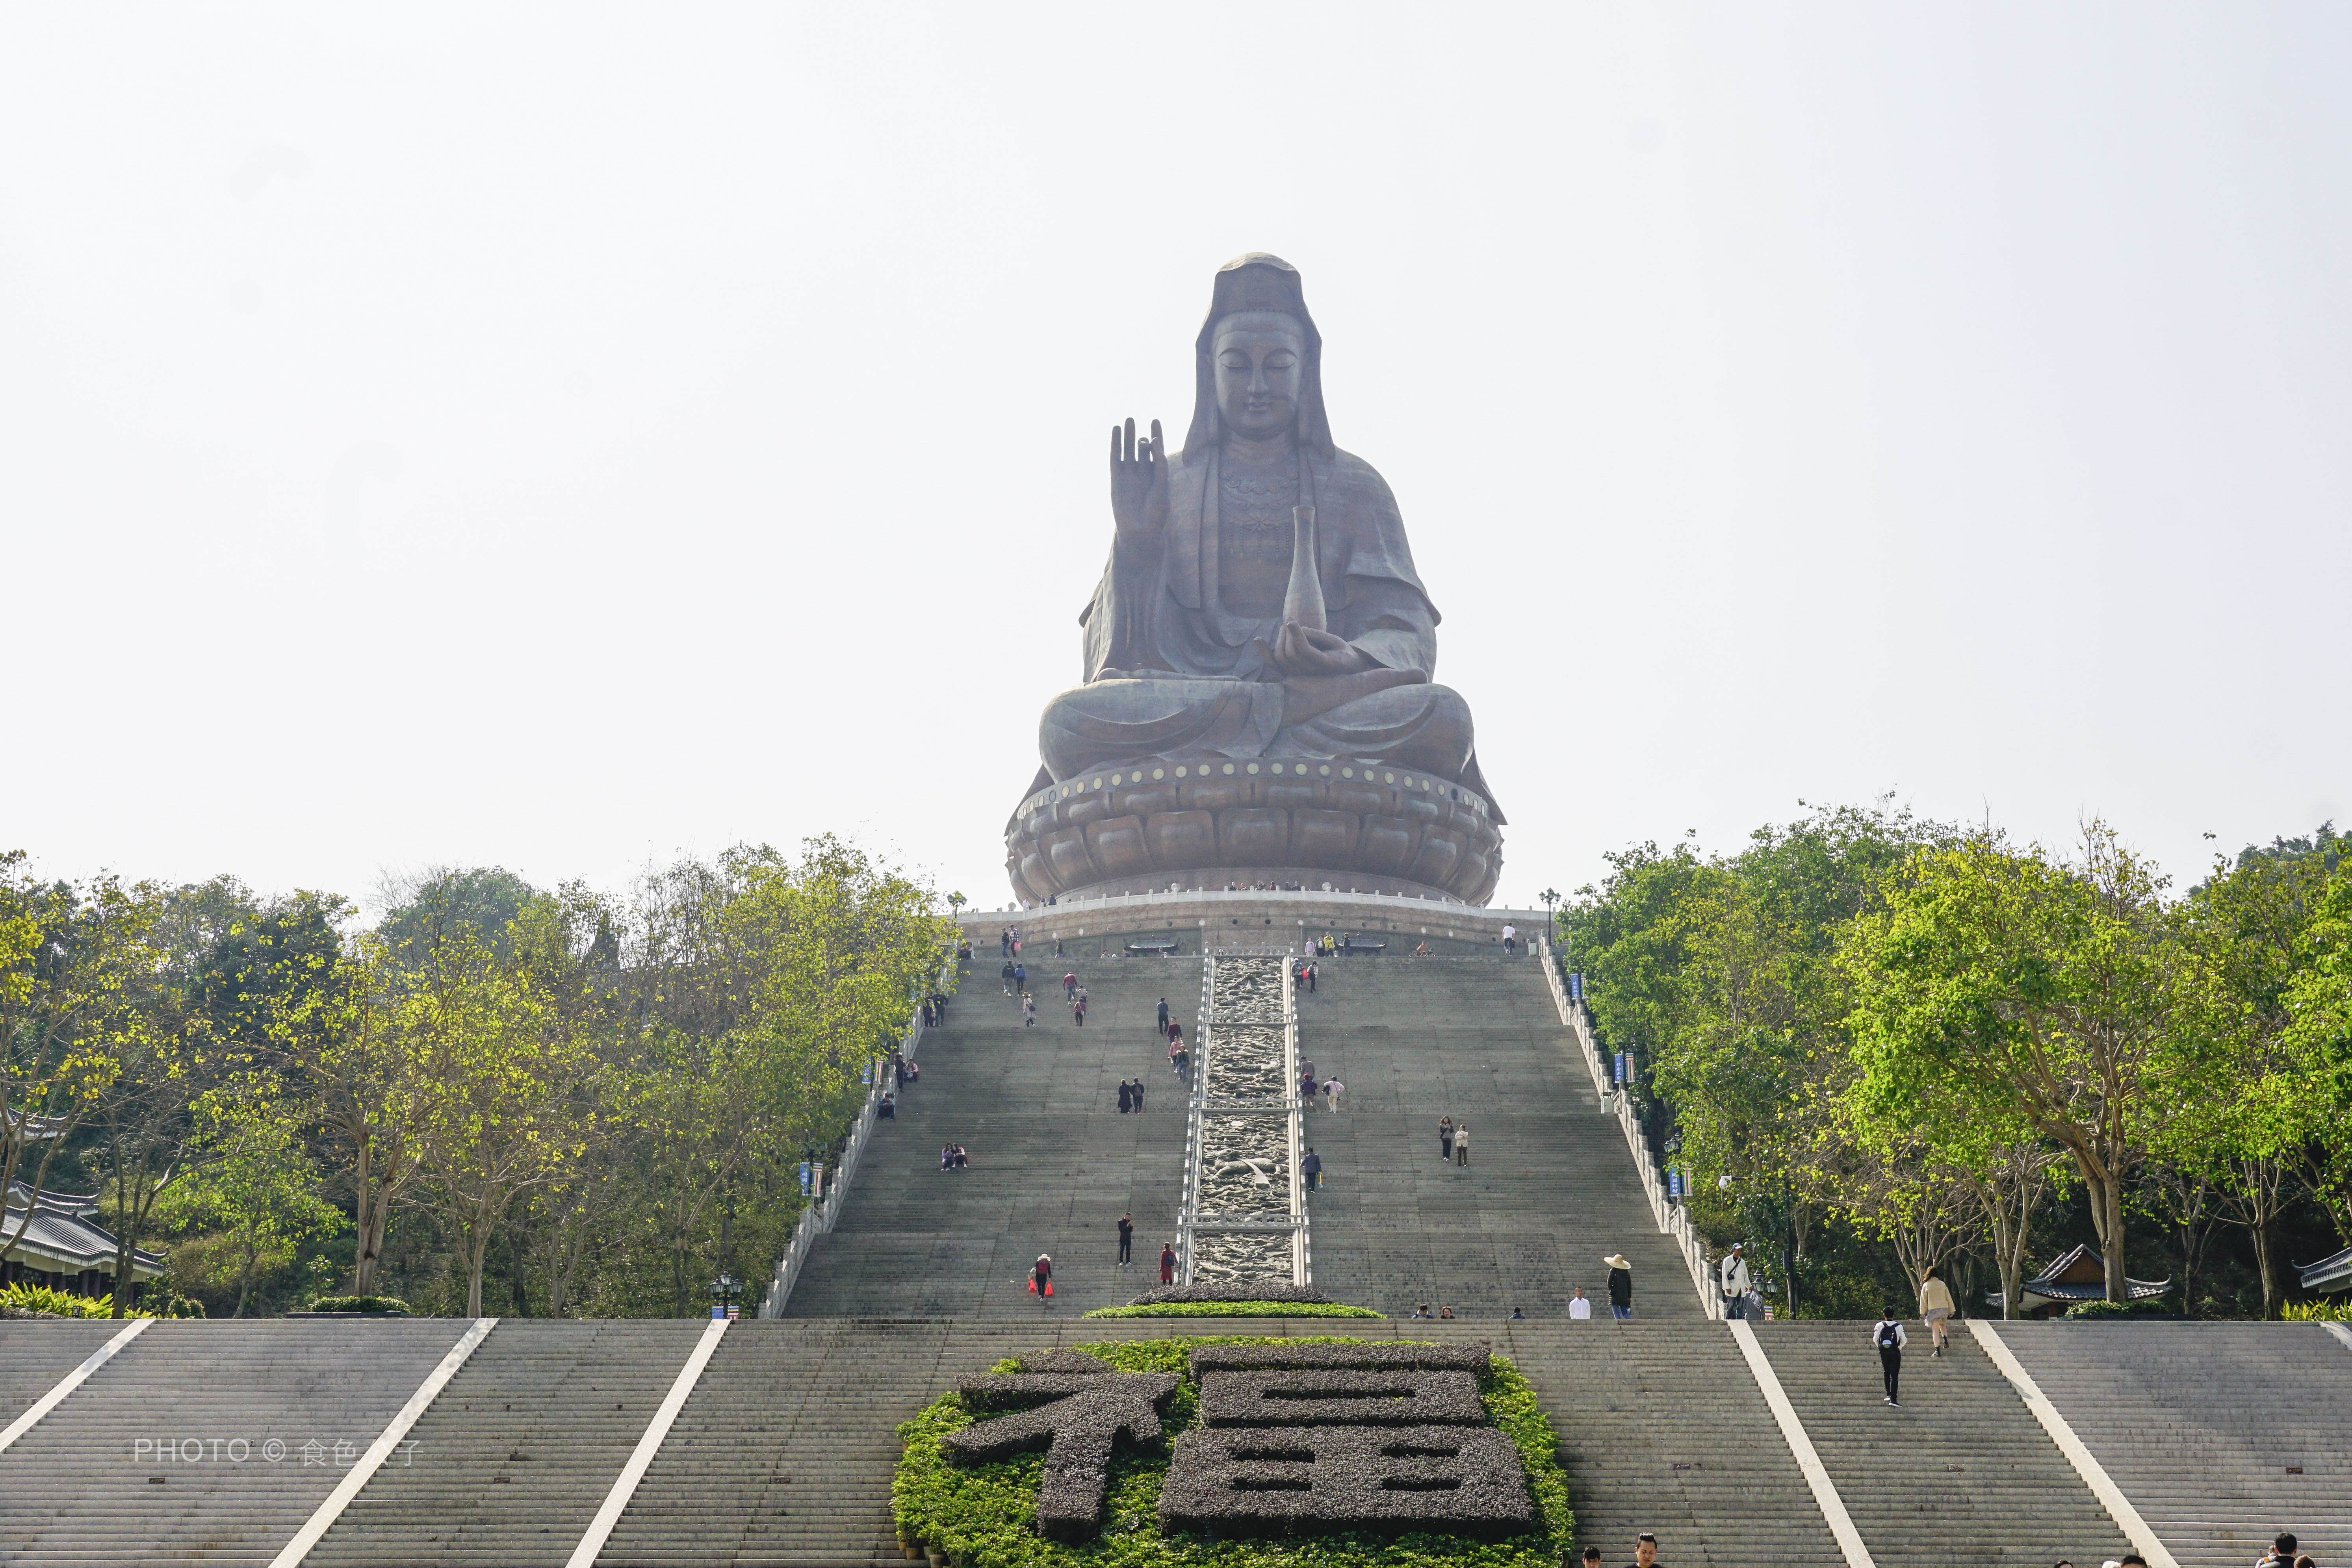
1735	1283
1888	1336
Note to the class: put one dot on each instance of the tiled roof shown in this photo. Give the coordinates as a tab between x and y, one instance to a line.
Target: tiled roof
62	1241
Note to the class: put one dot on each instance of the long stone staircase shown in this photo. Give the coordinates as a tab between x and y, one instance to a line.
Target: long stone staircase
80	1488
2221	1434
1962	1462
1549	1190
782	1451
515	1457
1054	1163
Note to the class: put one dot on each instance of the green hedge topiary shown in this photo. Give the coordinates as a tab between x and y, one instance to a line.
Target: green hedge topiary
984	1516
2091	1310
1235	1310
392	1304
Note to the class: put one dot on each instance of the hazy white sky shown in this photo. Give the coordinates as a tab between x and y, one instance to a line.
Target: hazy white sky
559	435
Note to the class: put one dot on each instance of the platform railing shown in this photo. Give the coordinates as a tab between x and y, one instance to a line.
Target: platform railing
1672	1218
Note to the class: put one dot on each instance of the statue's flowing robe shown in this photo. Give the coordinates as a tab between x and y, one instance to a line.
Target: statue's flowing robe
1171	669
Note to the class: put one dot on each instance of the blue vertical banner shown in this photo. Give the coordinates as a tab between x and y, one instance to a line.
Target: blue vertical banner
1620	1066
804	1178
1576	985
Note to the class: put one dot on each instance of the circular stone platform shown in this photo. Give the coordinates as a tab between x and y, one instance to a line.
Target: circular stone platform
1158	824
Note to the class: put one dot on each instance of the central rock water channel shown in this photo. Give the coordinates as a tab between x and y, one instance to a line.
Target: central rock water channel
1244	1213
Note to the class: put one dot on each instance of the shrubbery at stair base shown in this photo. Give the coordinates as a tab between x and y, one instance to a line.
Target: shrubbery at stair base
987	1515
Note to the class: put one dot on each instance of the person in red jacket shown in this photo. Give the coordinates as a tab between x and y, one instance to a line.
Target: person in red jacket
1167	1265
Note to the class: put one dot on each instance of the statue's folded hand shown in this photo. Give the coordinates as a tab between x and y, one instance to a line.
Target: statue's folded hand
1298	650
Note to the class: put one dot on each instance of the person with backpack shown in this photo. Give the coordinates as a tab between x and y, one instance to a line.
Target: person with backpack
1028	1010
1167	1265
1888	1336
1007	973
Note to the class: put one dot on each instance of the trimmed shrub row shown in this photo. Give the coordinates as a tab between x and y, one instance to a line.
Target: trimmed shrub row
1431	1496
1404	1396
1231	1290
1089	1418
1310	1355
1236	1309
1467	1479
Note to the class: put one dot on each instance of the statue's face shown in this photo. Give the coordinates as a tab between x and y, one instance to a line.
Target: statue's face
1261	358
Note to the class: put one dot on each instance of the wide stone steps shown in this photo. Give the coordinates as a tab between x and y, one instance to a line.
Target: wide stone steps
1054	1163
38	1354
1661	1429
78	1489
2221	1434
516	1455
1962	1466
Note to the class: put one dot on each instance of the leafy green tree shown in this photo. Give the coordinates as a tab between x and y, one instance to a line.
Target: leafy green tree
70	961
2318	1001
261	1187
2063	999
2254	923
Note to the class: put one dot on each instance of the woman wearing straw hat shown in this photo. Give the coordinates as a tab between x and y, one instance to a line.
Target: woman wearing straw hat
1620	1286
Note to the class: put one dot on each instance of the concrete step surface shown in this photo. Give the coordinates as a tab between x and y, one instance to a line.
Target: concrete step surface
2221	1434
1962	1462
81	1489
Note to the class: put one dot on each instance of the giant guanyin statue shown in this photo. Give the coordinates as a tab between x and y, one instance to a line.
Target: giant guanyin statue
1259	707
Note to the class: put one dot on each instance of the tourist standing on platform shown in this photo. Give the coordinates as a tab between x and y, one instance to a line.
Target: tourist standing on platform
1125	1240
1620	1286
1167	1265
1462	1144
1888	1336
1734	1283
1579	1310
1936	1308
1445	1139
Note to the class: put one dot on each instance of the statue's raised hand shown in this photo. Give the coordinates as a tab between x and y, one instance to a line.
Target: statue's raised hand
1138	481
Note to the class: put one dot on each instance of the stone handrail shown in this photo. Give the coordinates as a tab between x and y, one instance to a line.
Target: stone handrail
1672	1218
1030	915
823	1212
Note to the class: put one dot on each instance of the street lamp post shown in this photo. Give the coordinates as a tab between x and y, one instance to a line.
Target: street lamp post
723	1292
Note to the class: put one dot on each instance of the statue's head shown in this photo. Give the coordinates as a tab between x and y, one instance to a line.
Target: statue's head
1258	360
